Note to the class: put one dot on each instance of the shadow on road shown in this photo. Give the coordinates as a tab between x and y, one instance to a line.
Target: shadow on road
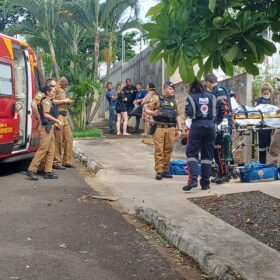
8	169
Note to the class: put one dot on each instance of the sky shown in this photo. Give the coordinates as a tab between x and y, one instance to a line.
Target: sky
145	5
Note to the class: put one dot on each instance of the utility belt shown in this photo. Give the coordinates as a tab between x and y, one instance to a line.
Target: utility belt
165	125
62	113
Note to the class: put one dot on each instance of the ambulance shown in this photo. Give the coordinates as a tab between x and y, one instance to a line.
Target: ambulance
20	79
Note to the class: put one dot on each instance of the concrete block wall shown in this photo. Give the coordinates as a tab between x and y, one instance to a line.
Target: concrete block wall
138	69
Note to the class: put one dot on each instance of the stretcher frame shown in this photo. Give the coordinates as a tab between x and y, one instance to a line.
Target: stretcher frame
243	132
250	130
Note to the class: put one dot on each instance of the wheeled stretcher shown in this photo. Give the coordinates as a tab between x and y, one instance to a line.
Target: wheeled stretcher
263	115
248	122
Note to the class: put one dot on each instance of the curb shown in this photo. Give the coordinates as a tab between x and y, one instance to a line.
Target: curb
189	245
90	164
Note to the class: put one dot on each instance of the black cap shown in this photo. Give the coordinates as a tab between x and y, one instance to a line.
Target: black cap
169	84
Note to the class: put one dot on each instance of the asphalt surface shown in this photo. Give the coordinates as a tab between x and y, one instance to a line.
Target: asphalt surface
46	232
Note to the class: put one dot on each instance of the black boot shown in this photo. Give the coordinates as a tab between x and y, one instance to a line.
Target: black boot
50	175
188	187
262	157
158	176
32	175
204	188
205	175
219	180
59	167
167	175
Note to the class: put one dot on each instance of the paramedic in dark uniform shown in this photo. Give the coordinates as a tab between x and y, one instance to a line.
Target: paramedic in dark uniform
201	107
222	94
47	143
165	113
265	134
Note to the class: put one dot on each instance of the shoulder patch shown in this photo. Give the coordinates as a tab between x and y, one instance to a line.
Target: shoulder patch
47	102
38	96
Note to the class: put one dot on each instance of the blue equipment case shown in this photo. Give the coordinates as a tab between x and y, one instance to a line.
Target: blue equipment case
179	167
256	172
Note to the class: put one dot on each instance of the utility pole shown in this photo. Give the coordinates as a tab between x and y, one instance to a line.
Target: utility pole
162	73
139	57
123	56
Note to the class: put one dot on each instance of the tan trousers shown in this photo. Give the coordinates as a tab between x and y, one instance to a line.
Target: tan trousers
274	149
164	141
45	152
63	143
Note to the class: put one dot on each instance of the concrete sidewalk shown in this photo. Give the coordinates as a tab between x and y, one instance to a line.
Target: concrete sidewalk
126	171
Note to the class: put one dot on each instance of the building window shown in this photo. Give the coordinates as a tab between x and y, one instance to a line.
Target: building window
6	81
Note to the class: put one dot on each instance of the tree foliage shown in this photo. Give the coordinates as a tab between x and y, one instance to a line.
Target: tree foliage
45	19
213	34
10	16
67	36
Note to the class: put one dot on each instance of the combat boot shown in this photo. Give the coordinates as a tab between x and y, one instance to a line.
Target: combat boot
189	186
216	178
223	179
227	178
50	175
213	179
219	180
158	176
59	167
32	175
167	175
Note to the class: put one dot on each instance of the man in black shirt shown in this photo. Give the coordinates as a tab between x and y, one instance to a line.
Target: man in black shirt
130	93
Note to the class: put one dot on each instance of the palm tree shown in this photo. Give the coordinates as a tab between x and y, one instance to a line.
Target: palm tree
45	14
91	15
2	5
116	23
73	34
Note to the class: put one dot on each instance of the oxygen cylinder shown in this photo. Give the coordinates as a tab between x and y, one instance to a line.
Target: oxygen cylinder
226	147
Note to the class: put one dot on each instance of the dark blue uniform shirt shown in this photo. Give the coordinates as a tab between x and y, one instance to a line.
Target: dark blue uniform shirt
141	94
262	100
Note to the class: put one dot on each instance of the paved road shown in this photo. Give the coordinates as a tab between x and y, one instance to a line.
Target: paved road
47	233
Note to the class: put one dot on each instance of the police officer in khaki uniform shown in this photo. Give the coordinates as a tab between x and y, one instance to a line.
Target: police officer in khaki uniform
47	145
38	97
166	114
63	137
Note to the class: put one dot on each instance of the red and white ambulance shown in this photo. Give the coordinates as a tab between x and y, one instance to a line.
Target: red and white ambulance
19	82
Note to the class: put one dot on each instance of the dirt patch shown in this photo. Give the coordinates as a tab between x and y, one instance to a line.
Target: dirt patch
255	213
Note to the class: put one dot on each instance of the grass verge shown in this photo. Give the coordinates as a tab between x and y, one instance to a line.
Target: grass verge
89	132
